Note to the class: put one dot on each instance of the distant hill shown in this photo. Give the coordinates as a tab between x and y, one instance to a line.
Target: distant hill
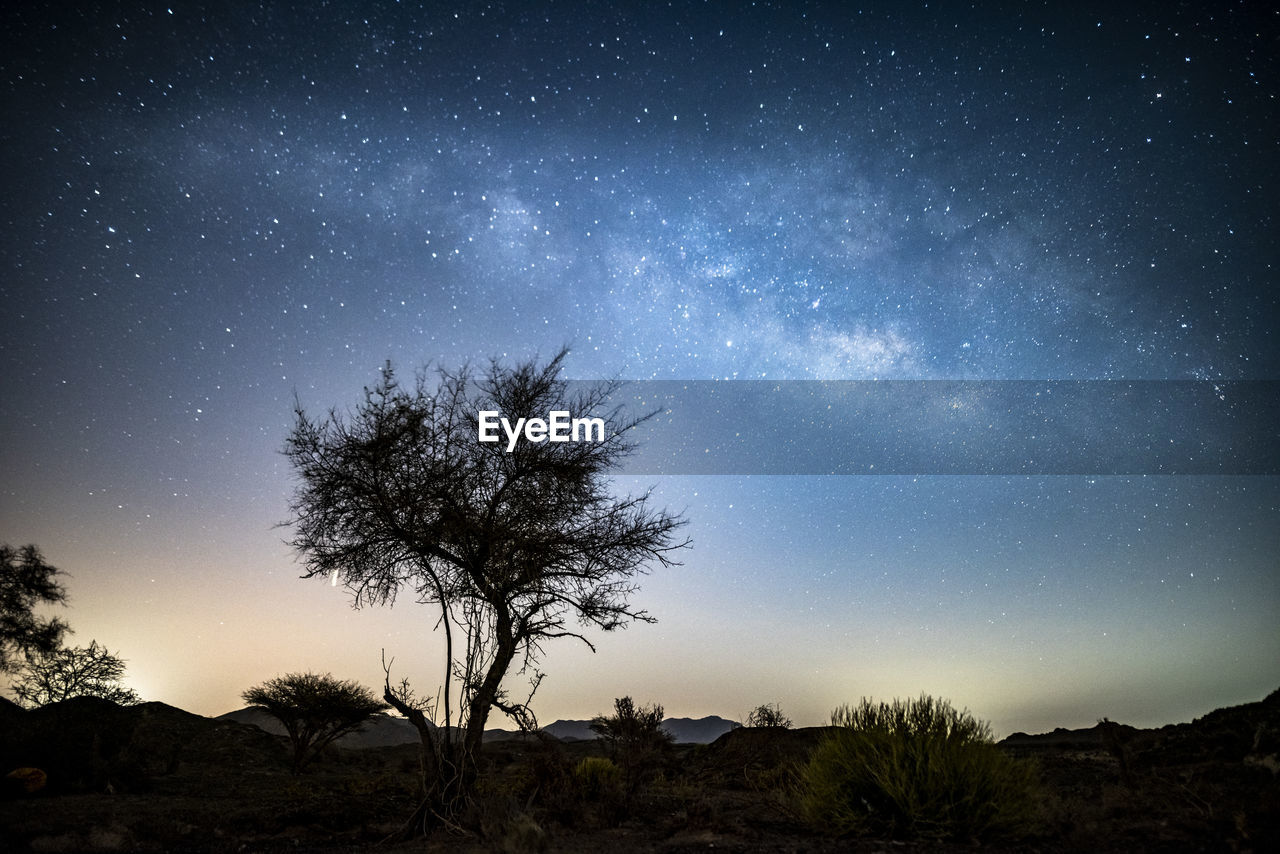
1248	733
87	744
683	730
699	730
384	730
571	730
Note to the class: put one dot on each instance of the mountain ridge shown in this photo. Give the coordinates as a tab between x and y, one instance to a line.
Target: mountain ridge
384	730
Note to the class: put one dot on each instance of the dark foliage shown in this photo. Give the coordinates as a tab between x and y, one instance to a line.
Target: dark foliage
916	768
768	715
315	709
25	582
637	742
83	671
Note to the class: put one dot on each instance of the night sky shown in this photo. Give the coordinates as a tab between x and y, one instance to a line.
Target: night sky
208	211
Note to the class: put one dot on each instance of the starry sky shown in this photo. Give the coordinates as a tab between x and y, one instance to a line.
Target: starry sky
209	210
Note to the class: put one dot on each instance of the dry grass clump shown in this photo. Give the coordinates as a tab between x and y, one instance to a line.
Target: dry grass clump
916	768
598	778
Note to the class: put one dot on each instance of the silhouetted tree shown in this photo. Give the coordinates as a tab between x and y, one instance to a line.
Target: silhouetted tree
510	546
630	724
768	716
636	739
87	671
315	709
26	581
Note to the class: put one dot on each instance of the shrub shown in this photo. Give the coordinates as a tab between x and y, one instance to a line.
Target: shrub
768	716
636	739
598	777
916	768
631	724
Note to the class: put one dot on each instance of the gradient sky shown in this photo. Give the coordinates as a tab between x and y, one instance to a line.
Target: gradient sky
208	210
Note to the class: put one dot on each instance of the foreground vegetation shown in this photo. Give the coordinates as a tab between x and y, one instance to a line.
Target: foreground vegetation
151	777
917	768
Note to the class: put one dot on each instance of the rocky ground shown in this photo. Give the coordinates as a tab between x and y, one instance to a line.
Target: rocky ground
155	778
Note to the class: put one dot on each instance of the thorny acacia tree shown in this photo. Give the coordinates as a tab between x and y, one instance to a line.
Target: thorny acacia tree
66	672
513	548
315	709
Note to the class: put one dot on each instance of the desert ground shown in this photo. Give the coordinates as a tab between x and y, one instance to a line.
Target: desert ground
155	778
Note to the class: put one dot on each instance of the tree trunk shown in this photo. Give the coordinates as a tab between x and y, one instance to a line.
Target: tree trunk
485	695
440	783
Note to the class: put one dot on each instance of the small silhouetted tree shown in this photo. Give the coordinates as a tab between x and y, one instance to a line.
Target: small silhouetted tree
25	582
87	671
315	710
510	548
768	716
637	742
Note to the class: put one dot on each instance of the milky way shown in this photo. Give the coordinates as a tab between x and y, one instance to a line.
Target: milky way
211	212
